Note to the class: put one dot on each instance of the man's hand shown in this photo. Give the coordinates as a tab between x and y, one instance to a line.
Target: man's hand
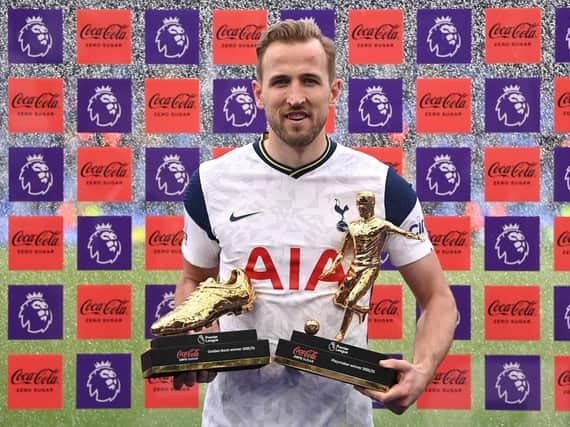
412	381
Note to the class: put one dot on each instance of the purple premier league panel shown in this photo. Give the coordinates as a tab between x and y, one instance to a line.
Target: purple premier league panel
561	313
35	174
168	172
172	36
512	382
512	105
443	36
35	312
103	381
561	174
159	300
104	243
35	36
104	105
375	105
562	34
234	108
512	243
443	174
324	18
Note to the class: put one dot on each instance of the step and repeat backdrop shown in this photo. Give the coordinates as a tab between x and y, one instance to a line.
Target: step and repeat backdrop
109	107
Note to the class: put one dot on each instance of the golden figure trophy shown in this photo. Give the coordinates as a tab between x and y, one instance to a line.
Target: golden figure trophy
175	351
366	237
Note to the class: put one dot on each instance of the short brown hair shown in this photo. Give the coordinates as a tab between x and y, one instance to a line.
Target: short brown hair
290	31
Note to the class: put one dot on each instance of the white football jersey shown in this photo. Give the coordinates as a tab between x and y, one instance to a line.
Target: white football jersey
284	226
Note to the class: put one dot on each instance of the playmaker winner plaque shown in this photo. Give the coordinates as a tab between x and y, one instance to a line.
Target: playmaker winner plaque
174	351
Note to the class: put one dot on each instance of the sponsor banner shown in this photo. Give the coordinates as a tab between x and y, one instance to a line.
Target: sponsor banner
104	36
512	313
160	393
375	105
104	311
512	174
561	240
512	105
443	36
561	313
35	105
158	301
443	105
35	174
35	243
443	174
562	35
104	174
375	36
35	382
35	36
172	36
385	315
512	382
235	110
562	101
451	239
35	312
168	172
104	105
220	151
450	387
512	243
562	383
462	295
561	174
103	381
392	156
513	36
172	105
324	18
104	243
164	236
235	34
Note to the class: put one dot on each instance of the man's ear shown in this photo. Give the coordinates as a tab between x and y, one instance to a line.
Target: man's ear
256	86
335	92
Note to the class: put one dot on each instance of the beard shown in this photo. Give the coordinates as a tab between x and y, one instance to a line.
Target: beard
301	138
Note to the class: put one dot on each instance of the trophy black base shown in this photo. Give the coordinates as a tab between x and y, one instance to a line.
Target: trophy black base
339	361
222	351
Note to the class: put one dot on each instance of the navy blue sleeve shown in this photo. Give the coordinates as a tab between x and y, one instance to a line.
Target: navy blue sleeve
399	198
195	204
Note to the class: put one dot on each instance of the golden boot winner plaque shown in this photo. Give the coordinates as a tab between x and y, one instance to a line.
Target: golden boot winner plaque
174	351
331	358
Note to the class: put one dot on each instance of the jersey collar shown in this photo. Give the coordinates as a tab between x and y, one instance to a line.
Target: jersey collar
259	148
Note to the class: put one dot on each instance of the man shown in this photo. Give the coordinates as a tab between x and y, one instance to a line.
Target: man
268	207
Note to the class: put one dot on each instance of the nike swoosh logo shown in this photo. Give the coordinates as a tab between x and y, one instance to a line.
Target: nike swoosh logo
234	218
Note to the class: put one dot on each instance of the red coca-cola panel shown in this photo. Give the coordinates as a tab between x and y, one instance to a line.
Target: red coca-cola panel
104	174
561	243
385	315
451	239
562	383
35	243
164	236
172	105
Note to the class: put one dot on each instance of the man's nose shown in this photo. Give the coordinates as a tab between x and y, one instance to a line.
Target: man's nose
296	95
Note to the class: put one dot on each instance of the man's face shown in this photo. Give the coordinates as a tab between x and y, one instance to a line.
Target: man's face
295	91
366	208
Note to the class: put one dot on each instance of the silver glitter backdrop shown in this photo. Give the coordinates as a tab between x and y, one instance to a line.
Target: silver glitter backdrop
409	71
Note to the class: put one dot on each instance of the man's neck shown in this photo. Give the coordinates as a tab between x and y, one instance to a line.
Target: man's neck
295	157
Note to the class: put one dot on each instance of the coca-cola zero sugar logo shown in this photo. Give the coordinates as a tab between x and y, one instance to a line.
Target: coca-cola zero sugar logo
235	34
171	176
305	354
43	376
381	32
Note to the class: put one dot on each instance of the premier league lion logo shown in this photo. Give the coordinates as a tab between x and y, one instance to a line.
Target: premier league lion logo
239	107
567	178
443	177
511	245
35	176
103	382
165	306
443	38
104	245
35	314
567	316
375	108
568	37
512	107
171	38
104	108
34	38
512	385
171	176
